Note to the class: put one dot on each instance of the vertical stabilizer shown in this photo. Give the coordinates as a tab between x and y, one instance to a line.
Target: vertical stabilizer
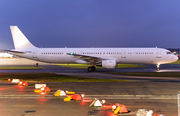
19	39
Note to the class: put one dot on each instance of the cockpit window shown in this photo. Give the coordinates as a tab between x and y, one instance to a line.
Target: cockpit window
168	52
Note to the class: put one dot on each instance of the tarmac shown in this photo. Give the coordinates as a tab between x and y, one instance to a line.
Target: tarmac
157	94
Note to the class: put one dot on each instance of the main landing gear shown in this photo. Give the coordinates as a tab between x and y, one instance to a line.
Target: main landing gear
91	68
157	67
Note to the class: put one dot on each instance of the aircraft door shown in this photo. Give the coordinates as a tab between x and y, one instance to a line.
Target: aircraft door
35	53
80	52
123	54
158	53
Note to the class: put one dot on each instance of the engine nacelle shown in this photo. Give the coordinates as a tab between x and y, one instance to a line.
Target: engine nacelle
110	64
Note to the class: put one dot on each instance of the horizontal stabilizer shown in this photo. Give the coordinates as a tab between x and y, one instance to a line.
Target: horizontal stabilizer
12	51
17	52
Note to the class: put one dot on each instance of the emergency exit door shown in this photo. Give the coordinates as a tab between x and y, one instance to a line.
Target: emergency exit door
123	54
35	53
158	53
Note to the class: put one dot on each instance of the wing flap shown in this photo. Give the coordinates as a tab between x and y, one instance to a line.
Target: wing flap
88	59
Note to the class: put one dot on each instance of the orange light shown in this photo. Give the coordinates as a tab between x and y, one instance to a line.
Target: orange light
20	83
82	95
9	79
113	107
103	101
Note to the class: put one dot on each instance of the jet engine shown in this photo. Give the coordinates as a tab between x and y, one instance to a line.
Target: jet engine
109	64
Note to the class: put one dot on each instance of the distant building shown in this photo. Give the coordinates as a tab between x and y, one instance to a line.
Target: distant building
6	55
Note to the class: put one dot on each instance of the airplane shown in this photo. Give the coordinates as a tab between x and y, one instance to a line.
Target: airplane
105	57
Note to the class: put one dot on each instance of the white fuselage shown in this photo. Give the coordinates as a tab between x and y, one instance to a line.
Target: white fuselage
121	55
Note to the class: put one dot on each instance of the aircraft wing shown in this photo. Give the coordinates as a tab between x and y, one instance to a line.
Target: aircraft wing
88	59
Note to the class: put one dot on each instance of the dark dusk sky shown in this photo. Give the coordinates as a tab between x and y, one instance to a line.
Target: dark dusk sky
92	23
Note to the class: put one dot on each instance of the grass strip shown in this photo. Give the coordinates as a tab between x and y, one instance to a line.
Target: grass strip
85	66
177	62
17	68
51	77
130	66
149	74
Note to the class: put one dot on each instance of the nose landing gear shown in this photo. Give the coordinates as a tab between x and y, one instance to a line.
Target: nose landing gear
157	67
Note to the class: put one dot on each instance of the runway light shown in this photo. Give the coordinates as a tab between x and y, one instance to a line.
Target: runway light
9	80
42	89
103	101
82	95
114	107
67	91
150	111
20	83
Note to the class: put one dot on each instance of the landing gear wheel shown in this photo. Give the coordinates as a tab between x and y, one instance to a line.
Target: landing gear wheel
157	69
93	68
90	69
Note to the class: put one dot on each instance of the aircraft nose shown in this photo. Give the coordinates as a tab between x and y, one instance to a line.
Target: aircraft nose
174	58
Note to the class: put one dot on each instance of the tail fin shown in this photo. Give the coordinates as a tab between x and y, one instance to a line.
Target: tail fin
19	39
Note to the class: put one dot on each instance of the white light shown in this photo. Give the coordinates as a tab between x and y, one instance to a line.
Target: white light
150	111
67	91
82	95
103	101
113	107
